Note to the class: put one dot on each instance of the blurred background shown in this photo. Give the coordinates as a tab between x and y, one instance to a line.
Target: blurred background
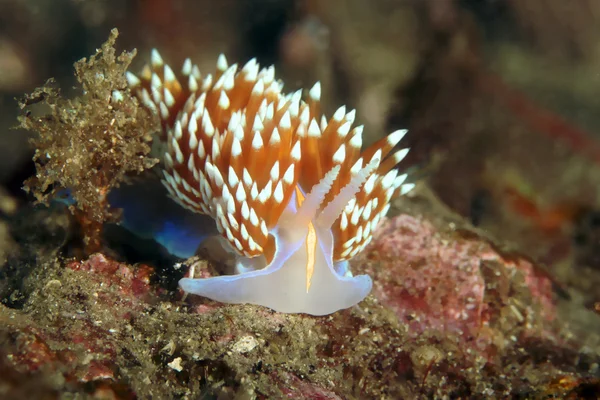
501	97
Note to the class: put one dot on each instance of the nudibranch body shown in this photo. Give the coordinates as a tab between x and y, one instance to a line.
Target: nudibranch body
289	189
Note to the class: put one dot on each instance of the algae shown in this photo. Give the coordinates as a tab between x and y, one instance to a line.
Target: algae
87	145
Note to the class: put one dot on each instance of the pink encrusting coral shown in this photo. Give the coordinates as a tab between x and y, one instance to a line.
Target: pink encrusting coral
436	284
290	190
433	280
129	283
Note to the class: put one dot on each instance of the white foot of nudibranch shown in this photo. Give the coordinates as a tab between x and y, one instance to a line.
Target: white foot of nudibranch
281	288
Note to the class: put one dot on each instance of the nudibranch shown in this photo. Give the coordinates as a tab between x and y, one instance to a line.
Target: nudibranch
289	189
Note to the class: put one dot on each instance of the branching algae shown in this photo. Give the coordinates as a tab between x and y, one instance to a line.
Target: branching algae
87	145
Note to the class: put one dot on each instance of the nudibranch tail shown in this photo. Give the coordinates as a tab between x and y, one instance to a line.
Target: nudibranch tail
289	189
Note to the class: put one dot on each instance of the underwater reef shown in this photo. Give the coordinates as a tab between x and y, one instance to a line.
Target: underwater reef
90	266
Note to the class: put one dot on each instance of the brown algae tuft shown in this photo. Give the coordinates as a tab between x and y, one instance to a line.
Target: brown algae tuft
87	145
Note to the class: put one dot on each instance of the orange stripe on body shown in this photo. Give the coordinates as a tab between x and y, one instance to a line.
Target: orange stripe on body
311	244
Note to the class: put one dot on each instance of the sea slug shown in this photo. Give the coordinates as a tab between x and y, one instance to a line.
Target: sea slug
289	189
